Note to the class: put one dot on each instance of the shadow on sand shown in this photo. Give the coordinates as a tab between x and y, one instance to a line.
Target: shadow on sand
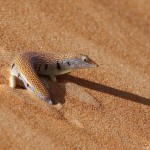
104	89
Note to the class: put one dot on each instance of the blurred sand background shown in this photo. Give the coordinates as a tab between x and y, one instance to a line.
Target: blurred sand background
102	108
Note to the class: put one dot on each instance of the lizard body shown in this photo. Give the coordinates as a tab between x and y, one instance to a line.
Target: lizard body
28	65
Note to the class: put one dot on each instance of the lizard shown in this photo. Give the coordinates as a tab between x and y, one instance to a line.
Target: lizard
27	66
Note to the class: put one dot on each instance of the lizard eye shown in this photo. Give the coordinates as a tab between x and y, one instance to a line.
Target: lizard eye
84	58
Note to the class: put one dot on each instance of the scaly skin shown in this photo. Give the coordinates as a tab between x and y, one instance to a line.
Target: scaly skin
28	65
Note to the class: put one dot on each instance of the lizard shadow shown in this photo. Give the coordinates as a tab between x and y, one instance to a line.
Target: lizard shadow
100	88
57	89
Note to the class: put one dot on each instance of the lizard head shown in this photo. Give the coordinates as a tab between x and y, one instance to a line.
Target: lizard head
87	62
79	61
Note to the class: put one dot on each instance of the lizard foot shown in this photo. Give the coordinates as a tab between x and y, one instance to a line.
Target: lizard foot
12	81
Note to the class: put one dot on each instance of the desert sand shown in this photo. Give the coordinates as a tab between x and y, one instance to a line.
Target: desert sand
106	108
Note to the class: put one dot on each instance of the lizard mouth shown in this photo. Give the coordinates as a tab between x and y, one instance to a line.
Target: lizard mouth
85	64
92	63
88	65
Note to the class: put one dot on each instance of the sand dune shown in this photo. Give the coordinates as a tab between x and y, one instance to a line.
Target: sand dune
100	108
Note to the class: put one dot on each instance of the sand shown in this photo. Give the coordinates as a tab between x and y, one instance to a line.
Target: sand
100	108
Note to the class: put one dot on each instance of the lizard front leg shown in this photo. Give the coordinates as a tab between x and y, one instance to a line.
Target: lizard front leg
12	81
52	77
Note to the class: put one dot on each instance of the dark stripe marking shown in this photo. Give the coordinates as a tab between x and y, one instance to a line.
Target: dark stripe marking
18	75
12	65
38	68
58	66
68	63
27	85
46	67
